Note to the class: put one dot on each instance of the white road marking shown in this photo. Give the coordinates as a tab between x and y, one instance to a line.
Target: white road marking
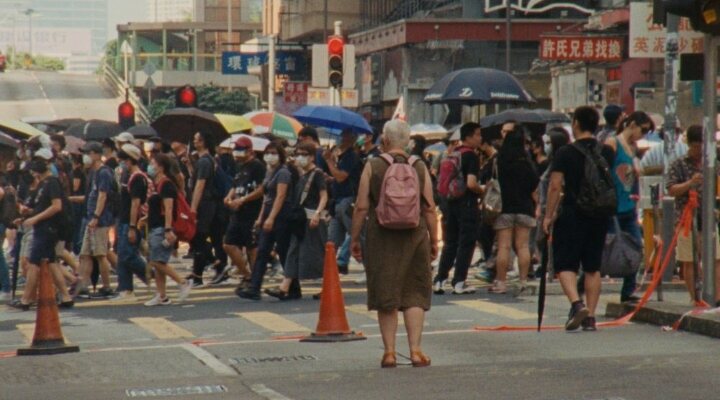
42	90
208	359
268	393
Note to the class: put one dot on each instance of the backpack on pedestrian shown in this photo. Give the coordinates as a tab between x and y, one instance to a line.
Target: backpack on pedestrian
492	201
452	183
399	205
596	196
184	220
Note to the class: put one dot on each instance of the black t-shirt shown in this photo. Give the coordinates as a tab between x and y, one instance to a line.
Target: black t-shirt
571	163
317	185
250	176
79	174
135	188
470	165
541	167
518	181
204	170
112	162
486	170
48	190
156	216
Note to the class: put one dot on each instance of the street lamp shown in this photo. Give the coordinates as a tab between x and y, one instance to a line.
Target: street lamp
29	12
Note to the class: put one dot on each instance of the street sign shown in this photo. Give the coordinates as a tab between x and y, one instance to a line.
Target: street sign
647	40
581	48
349	98
319	66
125	48
318	96
286	62
295	92
149	68
149	83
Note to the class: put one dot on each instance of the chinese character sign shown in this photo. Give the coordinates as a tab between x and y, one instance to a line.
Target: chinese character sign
295	92
567	48
647	40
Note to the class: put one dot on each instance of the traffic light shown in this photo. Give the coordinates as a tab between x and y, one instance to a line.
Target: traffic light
336	50
704	15
126	115
186	97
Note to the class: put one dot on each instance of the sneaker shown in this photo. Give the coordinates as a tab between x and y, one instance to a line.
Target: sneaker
184	291
197	283
124	296
578	312
158	301
103	293
248	293
277	293
463	288
438	287
83	294
222	275
589	324
361	280
18	304
343	269
629	299
485	275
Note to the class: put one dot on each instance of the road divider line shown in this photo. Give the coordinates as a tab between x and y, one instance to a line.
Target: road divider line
495	309
161	328
272	322
268	393
209	360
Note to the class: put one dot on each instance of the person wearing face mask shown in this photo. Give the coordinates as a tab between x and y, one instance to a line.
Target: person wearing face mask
245	201
44	221
272	222
306	254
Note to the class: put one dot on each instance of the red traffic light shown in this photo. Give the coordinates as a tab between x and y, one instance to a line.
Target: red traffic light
186	97
126	115
335	45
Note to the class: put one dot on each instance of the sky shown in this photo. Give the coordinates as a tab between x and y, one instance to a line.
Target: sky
124	11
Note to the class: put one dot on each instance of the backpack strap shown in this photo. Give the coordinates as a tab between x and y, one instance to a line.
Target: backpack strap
306	189
387	158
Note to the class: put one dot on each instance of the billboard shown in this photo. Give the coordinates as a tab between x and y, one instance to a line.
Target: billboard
49	41
647	40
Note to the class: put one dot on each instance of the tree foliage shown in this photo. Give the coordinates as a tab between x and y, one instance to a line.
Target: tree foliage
212	99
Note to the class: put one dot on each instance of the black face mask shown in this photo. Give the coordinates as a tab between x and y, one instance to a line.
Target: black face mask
38	166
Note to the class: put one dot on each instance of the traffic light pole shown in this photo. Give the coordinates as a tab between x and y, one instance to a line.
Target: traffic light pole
271	73
709	226
671	82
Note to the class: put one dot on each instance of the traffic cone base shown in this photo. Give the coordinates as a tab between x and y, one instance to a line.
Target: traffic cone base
332	324
48	338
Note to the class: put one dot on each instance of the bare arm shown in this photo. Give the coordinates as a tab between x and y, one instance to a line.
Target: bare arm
279	200
553	198
197	194
339	175
55	207
362	205
473	185
76	184
430	215
134	209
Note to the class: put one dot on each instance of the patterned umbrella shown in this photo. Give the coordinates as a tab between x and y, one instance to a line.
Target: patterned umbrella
279	125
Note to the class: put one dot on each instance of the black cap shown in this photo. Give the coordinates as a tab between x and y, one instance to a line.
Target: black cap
92	147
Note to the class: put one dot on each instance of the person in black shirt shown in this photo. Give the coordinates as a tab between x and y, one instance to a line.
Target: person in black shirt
463	217
578	239
369	149
245	201
133	195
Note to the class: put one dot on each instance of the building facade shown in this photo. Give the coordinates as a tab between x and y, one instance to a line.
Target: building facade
171	10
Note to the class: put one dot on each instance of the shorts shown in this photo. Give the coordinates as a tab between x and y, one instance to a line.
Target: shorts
684	249
240	233
95	242
509	221
578	241
158	252
45	246
26	243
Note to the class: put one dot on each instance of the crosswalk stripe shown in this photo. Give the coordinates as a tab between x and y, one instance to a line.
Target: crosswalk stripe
161	328
495	309
272	322
28	331
362	310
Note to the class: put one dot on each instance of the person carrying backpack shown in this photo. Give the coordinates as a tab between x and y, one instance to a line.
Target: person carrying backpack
580	221
458	183
395	197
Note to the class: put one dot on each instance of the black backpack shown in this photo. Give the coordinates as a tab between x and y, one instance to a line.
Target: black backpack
596	196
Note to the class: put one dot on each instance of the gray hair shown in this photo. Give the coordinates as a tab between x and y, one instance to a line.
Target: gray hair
398	133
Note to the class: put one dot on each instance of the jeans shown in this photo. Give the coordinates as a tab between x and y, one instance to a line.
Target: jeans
4	271
129	260
462	227
628	223
279	239
343	257
340	224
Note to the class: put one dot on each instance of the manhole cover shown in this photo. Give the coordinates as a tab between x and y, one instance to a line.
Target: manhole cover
176	391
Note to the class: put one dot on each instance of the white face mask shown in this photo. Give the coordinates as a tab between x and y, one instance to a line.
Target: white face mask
87	160
272	159
302	161
239	154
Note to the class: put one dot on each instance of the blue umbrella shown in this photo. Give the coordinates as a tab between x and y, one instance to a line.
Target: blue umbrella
478	86
335	119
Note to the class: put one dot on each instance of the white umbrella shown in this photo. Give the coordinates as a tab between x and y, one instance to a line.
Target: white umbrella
429	131
259	144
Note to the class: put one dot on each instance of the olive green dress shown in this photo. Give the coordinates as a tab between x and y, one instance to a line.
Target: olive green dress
397	262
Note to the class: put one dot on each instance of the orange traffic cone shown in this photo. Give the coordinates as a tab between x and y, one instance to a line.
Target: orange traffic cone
332	325
48	338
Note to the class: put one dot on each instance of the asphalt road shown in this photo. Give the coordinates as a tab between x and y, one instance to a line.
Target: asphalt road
250	350
54	95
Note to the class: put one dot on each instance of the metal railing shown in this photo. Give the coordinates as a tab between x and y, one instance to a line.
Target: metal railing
119	86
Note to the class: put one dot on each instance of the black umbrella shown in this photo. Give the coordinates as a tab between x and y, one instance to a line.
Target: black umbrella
478	86
94	129
544	267
143	132
59	125
180	124
525	116
8	141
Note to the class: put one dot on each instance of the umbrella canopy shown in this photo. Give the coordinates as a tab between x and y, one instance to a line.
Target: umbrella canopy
478	86
63	124
18	129
234	123
525	116
8	141
437	148
74	145
276	124
94	129
429	131
259	143
333	118
143	132
180	124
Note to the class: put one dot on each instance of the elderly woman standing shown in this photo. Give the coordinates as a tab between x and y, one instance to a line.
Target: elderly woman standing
398	267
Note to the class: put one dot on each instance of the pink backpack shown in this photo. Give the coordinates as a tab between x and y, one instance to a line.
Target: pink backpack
399	203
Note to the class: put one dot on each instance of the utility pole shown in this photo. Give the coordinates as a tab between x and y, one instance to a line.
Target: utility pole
325	21
271	73
508	34
709	228
29	12
671	82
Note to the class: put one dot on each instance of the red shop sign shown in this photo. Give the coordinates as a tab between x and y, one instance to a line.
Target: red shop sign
564	48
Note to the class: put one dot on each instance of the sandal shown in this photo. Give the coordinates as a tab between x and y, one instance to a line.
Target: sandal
498	288
419	359
389	360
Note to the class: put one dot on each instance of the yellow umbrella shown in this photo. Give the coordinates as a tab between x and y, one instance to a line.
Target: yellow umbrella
19	129
234	123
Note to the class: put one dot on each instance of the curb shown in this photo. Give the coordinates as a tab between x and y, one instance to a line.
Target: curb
554	289
667	314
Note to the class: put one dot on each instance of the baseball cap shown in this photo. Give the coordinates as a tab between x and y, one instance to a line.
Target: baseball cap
92	147
244	142
132	151
44	153
125	137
